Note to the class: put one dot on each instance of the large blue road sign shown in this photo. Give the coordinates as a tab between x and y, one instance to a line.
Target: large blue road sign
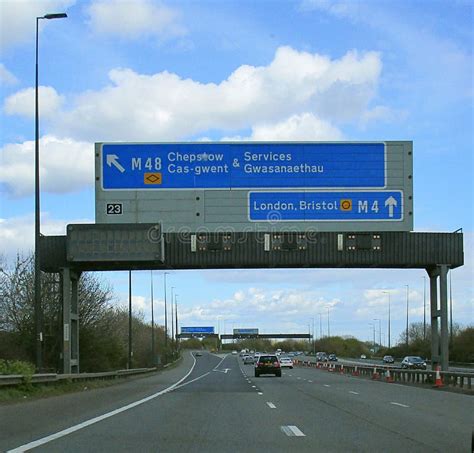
209	330
325	206
148	166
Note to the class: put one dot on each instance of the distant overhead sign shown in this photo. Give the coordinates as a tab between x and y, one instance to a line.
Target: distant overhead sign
197	330
245	331
347	186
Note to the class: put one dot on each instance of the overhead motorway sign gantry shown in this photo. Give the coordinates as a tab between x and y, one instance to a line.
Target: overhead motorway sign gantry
254	186
245	331
197	330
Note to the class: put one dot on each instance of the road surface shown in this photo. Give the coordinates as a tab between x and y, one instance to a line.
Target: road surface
220	406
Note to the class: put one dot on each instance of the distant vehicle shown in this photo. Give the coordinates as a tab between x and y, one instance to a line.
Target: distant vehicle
256	355
248	360
286	362
198	354
268	364
414	362
234	352
332	358
363	356
321	357
388	359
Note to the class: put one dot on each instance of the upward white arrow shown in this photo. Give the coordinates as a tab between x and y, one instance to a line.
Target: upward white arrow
391	203
112	159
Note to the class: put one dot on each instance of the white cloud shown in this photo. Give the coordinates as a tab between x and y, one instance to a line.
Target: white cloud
17	233
294	93
65	165
23	102
17	19
6	77
253	306
134	19
304	127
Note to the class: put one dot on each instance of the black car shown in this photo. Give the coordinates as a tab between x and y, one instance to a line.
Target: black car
267	364
388	359
414	362
332	358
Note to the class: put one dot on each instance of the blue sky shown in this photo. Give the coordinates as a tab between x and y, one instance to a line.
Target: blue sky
287	70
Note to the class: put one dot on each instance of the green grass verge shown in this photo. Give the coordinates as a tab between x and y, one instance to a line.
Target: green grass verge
26	392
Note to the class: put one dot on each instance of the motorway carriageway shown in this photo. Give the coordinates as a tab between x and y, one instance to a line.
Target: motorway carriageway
214	403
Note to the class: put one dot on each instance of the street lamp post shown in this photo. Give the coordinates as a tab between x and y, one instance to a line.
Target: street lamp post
388	333
130	351
172	316
380	331
176	318
166	309
320	325
329	332
373	332
37	290
424	307
408	296
153	352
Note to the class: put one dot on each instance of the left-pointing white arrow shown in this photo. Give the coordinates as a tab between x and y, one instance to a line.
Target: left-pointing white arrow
112	159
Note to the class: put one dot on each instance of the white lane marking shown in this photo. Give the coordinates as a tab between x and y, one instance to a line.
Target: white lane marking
354	393
72	429
290	375
193	380
225	370
271	405
254	386
399	404
292	431
326	385
260	393
298	378
310	381
217	366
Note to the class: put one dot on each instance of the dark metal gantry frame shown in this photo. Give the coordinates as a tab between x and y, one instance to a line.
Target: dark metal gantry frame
132	246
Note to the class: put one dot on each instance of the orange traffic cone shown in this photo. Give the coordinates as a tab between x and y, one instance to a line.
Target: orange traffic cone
388	376
375	375
341	370
355	372
439	380
331	368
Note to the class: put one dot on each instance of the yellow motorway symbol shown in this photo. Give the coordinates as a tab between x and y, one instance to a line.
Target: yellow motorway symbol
152	178
346	205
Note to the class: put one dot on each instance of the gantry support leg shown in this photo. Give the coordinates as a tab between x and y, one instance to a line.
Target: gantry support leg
69	286
439	317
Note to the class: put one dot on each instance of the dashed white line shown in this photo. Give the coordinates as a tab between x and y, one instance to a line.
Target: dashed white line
399	404
260	393
298	378
271	405
254	386
326	385
354	393
310	381
292	431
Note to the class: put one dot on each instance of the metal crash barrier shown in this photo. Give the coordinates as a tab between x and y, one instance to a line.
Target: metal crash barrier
460	380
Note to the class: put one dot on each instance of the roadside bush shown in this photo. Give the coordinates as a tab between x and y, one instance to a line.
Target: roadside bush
16	367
